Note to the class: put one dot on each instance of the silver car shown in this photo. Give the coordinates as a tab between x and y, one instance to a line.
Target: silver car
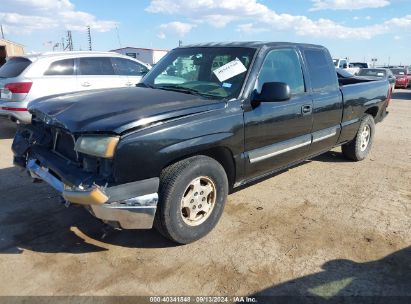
26	78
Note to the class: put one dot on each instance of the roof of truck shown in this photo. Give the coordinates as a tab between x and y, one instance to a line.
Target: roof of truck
252	44
68	54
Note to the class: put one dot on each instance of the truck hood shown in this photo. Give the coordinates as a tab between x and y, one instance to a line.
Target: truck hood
118	110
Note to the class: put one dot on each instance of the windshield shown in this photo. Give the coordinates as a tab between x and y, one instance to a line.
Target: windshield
14	67
398	71
372	72
210	72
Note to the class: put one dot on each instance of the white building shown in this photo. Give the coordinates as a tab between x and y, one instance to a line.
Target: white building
150	56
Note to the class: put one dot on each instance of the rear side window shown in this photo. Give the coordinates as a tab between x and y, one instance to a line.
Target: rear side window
282	65
61	67
96	66
128	67
323	76
14	67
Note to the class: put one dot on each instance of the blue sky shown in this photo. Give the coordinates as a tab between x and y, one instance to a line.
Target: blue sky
358	29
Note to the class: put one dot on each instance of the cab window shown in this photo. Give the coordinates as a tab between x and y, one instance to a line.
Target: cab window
322	75
282	65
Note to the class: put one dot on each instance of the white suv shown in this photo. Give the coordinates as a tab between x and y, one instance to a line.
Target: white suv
26	78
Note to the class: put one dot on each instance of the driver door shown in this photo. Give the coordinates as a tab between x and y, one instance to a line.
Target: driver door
278	133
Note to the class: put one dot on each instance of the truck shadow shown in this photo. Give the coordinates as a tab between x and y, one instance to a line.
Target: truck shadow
7	129
331	157
327	157
32	218
340	279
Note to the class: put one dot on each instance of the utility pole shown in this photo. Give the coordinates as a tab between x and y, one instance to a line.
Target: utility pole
69	45
90	48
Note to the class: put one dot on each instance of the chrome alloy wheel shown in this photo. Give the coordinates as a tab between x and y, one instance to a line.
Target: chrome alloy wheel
365	137
198	201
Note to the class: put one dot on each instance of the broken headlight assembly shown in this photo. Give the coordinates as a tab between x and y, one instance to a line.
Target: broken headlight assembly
99	146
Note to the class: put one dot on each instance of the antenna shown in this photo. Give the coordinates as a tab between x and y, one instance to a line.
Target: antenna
118	37
180	43
90	48
2	33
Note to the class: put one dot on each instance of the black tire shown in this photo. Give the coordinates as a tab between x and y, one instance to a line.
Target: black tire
354	150
174	181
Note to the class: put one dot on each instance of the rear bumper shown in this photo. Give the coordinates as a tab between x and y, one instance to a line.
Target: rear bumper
130	206
16	111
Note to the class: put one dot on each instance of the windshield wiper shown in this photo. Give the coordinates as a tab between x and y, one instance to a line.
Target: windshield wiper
144	85
177	88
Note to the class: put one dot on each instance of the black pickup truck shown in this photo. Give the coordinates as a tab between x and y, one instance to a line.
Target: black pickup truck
207	119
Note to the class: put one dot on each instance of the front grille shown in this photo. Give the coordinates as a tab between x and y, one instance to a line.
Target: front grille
64	145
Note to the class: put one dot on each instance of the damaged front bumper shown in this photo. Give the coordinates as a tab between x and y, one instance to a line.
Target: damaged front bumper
129	206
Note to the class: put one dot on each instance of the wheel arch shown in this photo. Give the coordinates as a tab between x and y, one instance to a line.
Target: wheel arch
373	111
223	155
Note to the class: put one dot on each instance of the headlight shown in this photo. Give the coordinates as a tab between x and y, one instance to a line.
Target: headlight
100	146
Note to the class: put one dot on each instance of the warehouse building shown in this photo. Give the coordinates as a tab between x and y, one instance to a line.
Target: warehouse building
8	49
150	56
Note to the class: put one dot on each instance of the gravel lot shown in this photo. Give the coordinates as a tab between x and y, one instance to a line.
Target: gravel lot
324	228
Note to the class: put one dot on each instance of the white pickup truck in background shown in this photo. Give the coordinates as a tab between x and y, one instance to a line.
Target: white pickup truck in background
351	67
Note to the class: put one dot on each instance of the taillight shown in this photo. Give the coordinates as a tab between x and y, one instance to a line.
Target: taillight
14	109
19	87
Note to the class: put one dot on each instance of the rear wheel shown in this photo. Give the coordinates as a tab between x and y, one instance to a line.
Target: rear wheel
192	197
360	146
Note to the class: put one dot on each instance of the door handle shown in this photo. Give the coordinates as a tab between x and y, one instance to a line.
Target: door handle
86	84
306	110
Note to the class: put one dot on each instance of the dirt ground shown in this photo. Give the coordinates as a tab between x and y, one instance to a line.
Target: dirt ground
324	228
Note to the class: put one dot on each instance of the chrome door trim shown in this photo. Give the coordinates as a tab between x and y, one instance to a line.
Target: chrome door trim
324	134
266	152
279	148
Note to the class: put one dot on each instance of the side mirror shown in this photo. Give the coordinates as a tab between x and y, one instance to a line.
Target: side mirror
274	91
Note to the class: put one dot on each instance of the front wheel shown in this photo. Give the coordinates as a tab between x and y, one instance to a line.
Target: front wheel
192	197
360	146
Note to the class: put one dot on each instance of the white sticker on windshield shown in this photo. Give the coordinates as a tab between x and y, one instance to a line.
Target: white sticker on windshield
229	70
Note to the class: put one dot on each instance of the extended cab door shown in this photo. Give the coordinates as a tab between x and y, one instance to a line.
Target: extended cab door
327	99
278	133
